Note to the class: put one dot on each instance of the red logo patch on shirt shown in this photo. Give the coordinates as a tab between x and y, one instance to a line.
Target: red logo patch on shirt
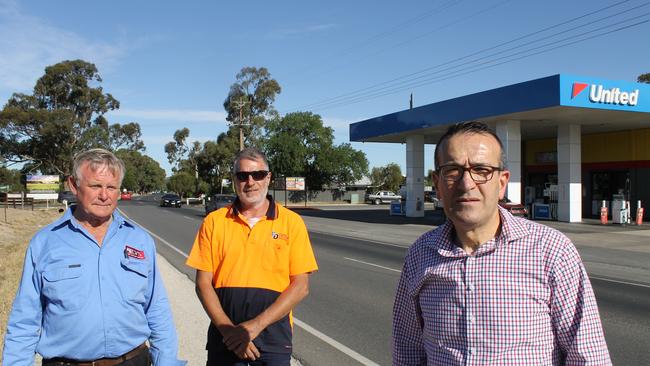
133	253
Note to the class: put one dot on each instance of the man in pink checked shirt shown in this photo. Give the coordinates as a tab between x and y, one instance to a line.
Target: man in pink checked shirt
486	287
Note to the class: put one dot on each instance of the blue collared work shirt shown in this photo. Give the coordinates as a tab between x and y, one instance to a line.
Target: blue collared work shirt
83	301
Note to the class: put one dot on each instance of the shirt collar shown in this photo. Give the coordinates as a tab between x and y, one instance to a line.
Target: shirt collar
271	212
511	230
68	217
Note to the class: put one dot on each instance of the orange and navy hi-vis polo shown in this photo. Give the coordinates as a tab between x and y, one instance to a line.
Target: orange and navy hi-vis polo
251	266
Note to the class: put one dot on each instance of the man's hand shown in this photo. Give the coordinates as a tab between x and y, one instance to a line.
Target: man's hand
237	338
250	353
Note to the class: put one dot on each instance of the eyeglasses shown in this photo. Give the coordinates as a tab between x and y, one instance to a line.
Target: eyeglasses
479	173
257	175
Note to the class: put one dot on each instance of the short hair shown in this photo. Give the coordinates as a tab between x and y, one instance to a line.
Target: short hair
471	127
249	153
97	158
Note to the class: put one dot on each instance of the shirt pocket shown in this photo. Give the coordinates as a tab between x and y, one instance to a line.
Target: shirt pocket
136	279
276	255
63	288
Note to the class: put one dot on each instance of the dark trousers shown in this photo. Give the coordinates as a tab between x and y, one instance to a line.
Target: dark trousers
266	359
143	358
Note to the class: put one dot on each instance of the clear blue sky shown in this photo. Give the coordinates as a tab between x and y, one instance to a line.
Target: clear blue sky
170	63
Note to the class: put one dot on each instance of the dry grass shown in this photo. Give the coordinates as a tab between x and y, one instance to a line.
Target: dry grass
14	238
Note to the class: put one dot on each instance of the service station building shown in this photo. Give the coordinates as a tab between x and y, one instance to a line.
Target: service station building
571	142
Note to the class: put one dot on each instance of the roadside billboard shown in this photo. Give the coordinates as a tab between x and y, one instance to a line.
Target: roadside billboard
42	183
295	183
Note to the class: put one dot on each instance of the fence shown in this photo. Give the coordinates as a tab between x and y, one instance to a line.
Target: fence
16	202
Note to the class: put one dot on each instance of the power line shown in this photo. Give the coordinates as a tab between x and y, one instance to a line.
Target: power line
470	70
374	38
415	79
423	73
400	44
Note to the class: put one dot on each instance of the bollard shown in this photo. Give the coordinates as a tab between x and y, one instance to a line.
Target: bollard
628	212
639	213
603	214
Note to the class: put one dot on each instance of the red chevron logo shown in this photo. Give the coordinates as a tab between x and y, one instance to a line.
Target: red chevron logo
578	88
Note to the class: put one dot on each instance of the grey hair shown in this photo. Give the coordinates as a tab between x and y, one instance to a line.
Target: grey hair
249	153
97	158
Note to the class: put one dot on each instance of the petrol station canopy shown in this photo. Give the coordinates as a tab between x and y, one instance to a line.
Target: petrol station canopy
567	130
541	105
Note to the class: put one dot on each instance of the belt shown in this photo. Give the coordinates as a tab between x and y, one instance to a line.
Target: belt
59	361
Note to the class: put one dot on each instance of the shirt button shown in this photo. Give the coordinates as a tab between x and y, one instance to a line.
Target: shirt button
470	350
470	287
471	318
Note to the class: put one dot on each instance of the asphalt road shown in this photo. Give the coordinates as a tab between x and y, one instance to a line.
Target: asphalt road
346	318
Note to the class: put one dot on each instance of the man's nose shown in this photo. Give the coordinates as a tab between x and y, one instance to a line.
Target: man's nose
466	181
103	193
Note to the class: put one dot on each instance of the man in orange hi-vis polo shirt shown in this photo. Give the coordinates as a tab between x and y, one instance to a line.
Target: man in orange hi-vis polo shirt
252	261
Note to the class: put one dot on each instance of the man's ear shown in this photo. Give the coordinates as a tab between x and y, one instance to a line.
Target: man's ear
72	183
435	181
504	178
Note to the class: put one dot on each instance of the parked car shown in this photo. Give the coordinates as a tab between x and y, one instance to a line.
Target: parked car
516	209
126	196
217	201
66	196
430	196
170	200
382	197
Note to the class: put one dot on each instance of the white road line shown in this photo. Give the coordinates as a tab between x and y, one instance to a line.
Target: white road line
356	356
339	346
592	277
372	264
623	282
155	236
359	238
187	217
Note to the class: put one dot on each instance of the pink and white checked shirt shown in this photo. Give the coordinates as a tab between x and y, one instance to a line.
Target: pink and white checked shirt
523	298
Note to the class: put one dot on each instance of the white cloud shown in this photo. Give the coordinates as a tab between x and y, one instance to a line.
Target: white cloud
150	140
29	44
299	32
338	123
183	115
341	127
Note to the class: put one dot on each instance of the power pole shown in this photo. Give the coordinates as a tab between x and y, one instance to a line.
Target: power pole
240	104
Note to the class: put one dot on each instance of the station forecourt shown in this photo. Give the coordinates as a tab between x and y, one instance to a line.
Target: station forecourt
571	142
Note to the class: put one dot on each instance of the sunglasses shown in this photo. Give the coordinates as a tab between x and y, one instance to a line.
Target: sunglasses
257	175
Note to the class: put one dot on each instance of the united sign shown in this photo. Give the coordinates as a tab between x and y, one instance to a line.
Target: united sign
604	94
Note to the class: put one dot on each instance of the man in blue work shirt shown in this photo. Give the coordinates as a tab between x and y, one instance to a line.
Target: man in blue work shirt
91	292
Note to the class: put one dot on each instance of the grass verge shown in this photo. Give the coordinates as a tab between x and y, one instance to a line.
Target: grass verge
15	234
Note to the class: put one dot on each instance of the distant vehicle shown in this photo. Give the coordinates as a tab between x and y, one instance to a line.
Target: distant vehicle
218	201
430	196
126	196
382	197
66	197
516	209
170	200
